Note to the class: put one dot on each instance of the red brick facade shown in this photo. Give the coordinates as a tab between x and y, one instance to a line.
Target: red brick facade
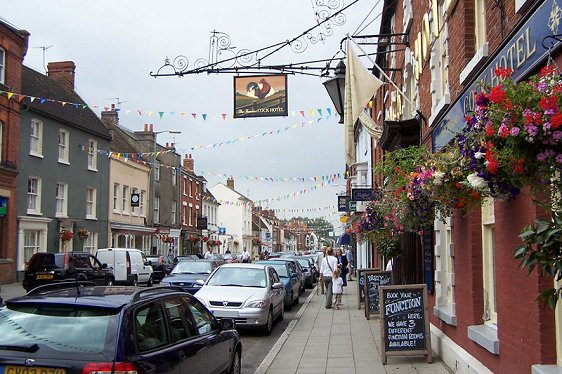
525	329
14	45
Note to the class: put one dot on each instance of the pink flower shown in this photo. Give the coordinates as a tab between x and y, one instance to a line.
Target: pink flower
514	131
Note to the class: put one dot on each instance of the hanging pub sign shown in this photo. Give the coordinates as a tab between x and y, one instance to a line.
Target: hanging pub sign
342	203
260	96
372	281
404	321
201	223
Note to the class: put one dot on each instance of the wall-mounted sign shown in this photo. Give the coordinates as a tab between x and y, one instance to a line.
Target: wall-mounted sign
201	223
342	203
364	194
222	230
135	199
352	205
260	96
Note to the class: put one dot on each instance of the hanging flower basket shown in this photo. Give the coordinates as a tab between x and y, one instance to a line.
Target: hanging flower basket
65	235
83	234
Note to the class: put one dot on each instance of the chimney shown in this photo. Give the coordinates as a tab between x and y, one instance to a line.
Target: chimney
188	163
110	118
230	183
151	127
62	72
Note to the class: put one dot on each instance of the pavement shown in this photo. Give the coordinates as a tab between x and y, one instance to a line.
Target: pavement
326	341
340	341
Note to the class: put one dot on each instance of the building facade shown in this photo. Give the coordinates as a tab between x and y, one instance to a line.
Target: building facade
484	309
191	208
63	182
13	47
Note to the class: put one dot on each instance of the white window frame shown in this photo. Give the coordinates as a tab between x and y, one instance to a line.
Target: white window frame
116	190
92	155
479	24
36	138
197	194
445	306
91	243
190	184
490	315
125	199
62	200
34	195
141	203
64	146
190	215
174	177
30	247
157	171
184	189
91	203
2	66
174	211
156	212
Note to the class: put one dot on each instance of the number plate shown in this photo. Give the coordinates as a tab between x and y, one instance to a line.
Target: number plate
225	313
44	276
30	370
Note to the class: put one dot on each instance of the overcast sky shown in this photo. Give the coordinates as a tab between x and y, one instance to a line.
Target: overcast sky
116	44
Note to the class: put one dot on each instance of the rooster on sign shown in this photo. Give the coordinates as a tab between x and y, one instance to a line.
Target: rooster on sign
259	90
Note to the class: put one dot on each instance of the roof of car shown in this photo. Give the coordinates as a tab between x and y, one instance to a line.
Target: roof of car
243	265
96	296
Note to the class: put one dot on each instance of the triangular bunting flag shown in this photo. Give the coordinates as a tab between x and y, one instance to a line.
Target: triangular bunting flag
319	111
161	114
139	112
224	116
10	94
194	115
204	116
21	98
302	113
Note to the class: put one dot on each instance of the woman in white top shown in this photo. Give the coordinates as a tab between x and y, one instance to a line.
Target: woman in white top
327	267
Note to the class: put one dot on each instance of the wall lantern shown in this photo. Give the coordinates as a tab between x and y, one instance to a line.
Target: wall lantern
336	89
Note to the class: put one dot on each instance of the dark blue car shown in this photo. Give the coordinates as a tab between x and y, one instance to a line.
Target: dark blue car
186	273
288	278
73	328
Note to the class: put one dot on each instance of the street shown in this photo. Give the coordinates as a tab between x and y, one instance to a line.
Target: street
256	345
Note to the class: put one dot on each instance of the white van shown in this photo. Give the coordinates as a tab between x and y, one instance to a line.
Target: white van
129	265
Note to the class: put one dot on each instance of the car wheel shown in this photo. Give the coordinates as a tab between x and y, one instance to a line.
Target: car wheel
235	366
135	281
109	282
150	282
269	324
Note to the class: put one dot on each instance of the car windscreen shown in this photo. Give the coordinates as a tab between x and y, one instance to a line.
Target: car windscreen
193	267
62	328
238	277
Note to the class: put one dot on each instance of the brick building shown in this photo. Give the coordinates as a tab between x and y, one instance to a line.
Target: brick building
484	313
13	47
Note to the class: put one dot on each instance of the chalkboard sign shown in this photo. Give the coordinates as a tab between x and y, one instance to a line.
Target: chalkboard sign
361	286
404	321
372	281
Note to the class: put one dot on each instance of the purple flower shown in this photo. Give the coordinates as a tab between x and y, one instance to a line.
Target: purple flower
559	158
531	130
542	87
514	131
542	156
557	135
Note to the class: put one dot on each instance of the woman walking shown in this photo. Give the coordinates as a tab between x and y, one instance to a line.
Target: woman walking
327	267
342	265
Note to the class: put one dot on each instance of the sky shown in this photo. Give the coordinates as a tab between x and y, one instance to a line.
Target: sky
116	44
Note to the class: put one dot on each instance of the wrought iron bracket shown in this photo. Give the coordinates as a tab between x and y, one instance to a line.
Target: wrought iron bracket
550	41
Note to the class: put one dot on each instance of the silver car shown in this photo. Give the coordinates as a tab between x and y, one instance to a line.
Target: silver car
251	294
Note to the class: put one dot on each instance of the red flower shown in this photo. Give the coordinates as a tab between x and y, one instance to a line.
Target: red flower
503	73
519	168
498	94
556	121
493	167
489	129
474	194
548	102
549	69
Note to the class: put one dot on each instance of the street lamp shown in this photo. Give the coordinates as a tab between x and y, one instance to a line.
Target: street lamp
153	181
336	89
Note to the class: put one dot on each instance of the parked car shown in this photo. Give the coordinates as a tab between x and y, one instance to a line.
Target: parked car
129	265
251	294
289	279
312	259
186	273
230	258
297	268
185	257
86	330
46	267
308	270
160	267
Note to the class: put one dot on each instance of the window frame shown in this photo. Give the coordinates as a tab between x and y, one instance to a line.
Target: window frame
156	210
174	177
174	212
64	147
489	278
2	65
63	199
125	201
116	190
157	171
36	138
92	155
36	195
90	244
91	204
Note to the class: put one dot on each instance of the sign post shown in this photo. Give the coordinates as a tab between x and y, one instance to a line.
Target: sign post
404	321
372	281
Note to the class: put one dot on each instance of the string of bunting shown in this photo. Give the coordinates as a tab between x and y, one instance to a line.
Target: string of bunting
318	112
331	177
139	155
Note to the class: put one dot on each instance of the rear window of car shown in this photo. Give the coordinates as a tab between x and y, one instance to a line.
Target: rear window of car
44	261
61	328
193	267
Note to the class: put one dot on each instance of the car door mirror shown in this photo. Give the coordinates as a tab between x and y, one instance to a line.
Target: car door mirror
277	285
227	324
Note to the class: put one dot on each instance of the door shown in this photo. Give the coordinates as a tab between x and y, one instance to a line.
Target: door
207	327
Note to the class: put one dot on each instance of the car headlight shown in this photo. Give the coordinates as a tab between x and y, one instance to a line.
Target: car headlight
257	304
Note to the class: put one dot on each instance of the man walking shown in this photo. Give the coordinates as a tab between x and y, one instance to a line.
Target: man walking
319	259
350	262
327	267
245	256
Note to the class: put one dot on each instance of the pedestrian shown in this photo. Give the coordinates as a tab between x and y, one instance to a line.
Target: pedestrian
350	262
319	259
209	254
327	267
342	265
245	256
337	288
389	264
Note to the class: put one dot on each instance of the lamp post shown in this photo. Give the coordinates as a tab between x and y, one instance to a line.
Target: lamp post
153	181
336	89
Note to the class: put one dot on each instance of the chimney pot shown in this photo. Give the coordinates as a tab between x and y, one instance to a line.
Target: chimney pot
188	163
151	127
230	183
62	72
